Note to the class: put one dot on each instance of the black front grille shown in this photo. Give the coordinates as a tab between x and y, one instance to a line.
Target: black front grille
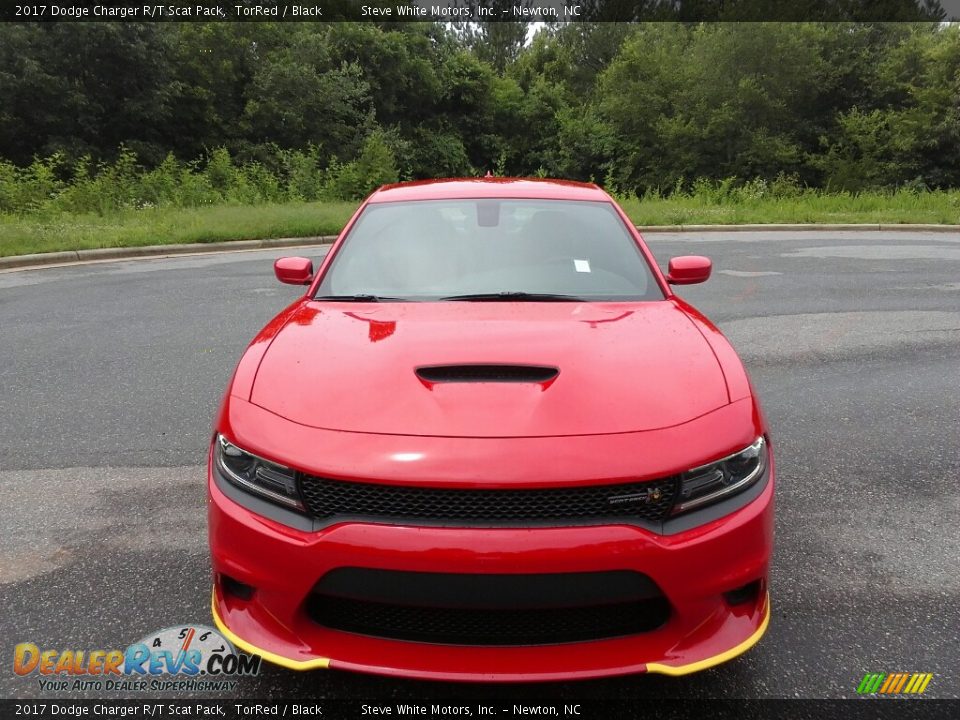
327	499
478	626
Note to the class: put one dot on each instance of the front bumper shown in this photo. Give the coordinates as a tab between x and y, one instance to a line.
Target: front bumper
693	568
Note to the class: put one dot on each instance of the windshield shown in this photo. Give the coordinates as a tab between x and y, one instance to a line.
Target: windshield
489	249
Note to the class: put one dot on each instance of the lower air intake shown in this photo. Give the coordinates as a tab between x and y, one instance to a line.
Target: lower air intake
473	626
479	609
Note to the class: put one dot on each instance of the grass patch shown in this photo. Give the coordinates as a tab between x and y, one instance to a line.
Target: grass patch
50	231
166	226
808	206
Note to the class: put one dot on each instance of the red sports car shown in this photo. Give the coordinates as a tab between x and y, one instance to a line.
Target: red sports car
489	443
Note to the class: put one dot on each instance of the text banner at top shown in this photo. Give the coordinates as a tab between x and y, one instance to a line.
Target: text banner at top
481	10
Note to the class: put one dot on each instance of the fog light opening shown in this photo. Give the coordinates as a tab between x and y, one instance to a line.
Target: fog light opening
744	594
235	588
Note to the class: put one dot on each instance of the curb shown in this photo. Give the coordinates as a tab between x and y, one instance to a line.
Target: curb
70	257
774	227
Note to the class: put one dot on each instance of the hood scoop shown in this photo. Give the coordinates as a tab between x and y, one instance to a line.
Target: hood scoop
436	374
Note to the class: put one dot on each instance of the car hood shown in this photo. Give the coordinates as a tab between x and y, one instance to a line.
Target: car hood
622	367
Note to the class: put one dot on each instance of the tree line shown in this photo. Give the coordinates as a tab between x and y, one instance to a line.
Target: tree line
330	110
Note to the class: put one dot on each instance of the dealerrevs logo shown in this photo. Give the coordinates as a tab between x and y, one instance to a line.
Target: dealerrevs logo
190	658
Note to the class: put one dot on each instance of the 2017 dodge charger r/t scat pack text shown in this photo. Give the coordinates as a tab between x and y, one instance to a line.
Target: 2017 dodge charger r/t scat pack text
490	443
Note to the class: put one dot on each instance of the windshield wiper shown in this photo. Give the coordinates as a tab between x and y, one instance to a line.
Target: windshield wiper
360	297
510	295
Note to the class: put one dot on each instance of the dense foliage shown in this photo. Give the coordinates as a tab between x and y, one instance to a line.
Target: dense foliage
105	116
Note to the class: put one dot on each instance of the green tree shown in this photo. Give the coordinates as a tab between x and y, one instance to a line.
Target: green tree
713	101
214	68
906	129
84	88
301	96
375	166
496	43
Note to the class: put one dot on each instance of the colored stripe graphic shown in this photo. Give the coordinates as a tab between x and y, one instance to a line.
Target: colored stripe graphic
923	685
894	683
891	679
867	684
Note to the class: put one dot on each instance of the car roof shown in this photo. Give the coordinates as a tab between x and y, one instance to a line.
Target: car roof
488	187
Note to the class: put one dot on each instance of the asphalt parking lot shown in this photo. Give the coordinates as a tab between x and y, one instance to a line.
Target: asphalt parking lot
111	372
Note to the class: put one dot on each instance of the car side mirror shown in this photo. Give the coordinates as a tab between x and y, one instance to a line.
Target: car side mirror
294	270
688	270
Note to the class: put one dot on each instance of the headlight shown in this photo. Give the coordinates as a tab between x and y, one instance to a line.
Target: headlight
719	480
256	475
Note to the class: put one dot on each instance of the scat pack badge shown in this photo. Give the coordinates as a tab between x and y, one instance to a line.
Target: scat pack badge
186	658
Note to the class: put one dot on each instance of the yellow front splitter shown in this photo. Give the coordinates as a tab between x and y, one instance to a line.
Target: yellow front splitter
723	657
312	664
658	668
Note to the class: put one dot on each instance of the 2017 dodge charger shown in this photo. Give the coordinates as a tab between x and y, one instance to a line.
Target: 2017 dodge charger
490	443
